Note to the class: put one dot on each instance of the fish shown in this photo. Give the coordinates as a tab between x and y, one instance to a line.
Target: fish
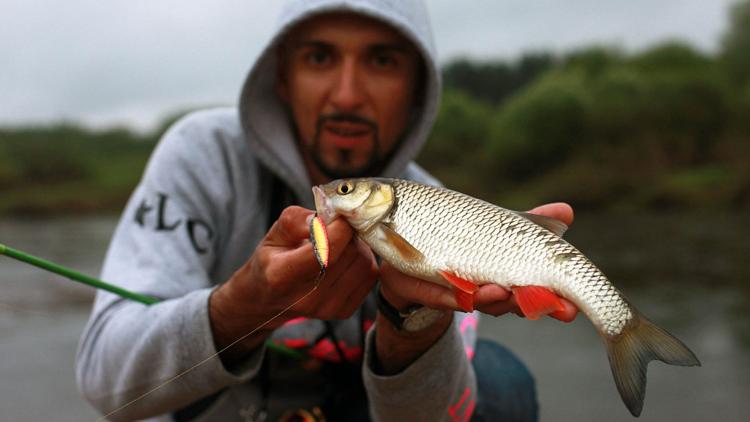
461	242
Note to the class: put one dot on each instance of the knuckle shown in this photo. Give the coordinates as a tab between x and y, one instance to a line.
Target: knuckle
262	258
261	267
288	216
269	275
274	271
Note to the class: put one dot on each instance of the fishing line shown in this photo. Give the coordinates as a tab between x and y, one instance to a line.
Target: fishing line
185	372
319	241
318	238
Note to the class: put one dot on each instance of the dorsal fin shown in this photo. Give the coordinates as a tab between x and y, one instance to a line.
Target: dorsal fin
555	226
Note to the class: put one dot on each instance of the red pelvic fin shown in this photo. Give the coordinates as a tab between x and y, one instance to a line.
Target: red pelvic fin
462	289
464	299
536	301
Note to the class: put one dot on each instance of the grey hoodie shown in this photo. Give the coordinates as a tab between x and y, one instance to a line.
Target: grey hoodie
201	208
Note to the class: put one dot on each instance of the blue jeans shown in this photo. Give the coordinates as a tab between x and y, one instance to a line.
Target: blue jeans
506	390
506	387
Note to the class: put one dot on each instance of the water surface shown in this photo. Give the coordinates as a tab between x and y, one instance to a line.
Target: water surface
688	273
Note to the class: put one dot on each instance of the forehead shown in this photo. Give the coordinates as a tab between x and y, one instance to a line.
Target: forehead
345	28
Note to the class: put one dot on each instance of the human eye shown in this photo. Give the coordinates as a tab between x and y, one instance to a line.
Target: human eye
384	60
318	57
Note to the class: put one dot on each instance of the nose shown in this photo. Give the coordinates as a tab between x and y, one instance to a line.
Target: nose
348	92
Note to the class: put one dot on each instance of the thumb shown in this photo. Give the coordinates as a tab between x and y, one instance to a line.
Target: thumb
292	230
292	227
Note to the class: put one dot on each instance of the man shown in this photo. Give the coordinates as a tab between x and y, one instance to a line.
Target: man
345	88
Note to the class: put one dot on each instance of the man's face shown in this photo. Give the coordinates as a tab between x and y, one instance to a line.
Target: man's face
350	84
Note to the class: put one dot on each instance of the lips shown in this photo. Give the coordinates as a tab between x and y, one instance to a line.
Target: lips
347	135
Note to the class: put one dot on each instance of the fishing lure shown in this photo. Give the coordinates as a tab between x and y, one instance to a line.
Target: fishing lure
319	240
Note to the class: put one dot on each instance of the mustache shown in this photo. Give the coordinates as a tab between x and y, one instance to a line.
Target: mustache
336	171
345	118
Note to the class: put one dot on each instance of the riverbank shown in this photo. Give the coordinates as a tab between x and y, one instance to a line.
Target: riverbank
660	129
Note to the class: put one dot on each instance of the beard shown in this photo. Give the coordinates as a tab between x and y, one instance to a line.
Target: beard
342	166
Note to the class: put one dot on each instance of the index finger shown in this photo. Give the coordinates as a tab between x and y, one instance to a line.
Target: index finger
557	210
297	257
568	314
292	229
415	290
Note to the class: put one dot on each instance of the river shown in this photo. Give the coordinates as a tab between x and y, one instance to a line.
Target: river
688	273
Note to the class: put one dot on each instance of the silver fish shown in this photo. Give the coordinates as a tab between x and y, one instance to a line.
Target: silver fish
459	241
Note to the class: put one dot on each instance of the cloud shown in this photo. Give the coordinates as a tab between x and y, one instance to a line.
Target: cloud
131	62
488	28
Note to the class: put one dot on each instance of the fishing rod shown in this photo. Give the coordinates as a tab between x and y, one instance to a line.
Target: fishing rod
119	291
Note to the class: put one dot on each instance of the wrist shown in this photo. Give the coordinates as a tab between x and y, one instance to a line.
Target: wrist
228	325
396	349
406	316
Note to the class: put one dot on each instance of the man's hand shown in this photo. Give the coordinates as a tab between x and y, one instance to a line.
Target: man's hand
490	298
495	300
395	350
282	270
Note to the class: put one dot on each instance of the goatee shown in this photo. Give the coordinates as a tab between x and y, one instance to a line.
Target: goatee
345	168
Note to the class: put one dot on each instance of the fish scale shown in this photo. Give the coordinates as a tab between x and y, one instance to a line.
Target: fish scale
466	244
458	241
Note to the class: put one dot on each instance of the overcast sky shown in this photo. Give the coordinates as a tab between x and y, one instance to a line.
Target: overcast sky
133	62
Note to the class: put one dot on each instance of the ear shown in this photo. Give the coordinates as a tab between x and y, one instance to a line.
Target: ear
282	86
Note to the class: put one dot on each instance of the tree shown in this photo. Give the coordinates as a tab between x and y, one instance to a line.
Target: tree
736	42
494	81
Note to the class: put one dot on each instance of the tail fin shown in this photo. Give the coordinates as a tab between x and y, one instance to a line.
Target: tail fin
631	351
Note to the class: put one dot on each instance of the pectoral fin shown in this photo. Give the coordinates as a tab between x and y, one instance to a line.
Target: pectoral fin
408	252
536	301
462	289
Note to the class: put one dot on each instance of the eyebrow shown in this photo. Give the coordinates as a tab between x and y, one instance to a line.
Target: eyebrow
318	45
313	43
378	48
386	47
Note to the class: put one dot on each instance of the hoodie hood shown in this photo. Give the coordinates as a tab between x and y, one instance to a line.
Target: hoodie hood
266	121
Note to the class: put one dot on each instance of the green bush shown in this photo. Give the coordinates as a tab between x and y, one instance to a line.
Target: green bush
538	128
67	168
495	80
736	44
457	141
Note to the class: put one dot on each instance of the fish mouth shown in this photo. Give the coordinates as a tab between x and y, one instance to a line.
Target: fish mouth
323	205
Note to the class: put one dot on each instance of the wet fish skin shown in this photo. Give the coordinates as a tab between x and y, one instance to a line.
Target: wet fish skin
431	232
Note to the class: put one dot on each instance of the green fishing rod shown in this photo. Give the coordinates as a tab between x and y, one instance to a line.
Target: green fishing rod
99	284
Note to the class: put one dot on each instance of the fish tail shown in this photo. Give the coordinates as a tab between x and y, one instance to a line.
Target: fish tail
630	352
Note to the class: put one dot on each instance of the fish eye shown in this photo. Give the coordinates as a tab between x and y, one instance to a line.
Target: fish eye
345	188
